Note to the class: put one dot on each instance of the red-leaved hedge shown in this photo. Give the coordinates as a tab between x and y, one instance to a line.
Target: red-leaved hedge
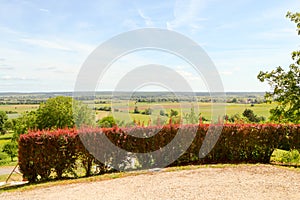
52	154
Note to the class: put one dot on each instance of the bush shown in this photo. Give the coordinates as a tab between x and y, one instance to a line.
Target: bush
43	151
287	157
3	119
107	122
60	151
11	149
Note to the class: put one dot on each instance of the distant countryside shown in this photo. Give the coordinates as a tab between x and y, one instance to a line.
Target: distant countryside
144	109
149	100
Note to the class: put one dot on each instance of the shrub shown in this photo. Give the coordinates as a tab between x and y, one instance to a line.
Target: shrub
11	149
107	122
43	151
288	157
60	151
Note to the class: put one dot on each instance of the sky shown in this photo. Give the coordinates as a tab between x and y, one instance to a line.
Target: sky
44	44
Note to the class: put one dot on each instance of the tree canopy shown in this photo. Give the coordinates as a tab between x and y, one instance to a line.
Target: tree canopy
285	86
107	122
55	113
58	112
63	112
22	124
3	119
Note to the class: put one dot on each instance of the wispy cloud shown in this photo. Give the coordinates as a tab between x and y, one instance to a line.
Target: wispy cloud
230	71
7	30
276	34
147	19
57	70
129	24
45	44
63	45
17	78
44	10
188	75
84	25
186	13
45	68
5	67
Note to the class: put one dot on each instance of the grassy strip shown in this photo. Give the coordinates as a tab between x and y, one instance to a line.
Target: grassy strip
283	157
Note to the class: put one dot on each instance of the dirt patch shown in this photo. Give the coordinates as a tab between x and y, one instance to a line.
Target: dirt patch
241	182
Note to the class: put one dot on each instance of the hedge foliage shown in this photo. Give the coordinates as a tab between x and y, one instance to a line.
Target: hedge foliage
56	154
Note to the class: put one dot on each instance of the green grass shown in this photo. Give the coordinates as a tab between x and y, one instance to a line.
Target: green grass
19	108
286	157
4	158
204	108
184	107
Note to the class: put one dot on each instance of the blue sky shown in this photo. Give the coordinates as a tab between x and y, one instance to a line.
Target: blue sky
44	43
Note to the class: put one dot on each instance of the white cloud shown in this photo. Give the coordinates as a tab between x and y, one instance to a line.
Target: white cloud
147	19
44	10
277	34
45	44
79	47
7	30
5	67
63	45
186	13
226	72
188	75
15	78
129	24
46	68
195	80
56	69
231	71
84	25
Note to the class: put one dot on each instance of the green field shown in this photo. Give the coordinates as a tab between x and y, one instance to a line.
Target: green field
124	106
125	109
18	109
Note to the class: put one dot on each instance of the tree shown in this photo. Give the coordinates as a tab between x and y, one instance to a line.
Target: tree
107	122
82	115
58	112
285	86
249	114
63	112
11	149
22	124
55	113
148	111
173	113
3	119
162	113
136	110
192	117
8	125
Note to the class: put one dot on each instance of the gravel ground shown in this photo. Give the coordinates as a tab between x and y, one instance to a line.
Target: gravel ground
241	182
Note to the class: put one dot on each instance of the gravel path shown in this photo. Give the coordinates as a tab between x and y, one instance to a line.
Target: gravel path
242	182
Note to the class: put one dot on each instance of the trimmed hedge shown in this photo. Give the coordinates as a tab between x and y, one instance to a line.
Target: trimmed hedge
51	154
42	152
